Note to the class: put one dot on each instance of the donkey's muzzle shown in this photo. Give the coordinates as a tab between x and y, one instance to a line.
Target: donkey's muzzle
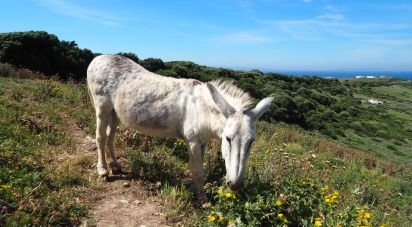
235	185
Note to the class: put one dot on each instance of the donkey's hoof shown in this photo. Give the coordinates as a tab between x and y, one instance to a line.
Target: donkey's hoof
116	169
103	173
202	201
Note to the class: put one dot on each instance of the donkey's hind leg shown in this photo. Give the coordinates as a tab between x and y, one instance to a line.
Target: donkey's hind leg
102	121
111	131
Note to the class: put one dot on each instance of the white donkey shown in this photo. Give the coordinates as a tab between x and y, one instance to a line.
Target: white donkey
163	106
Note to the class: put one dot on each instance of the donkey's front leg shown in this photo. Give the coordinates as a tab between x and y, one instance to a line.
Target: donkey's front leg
196	151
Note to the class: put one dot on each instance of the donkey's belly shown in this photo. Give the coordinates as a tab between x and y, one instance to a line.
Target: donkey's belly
149	122
162	132
149	106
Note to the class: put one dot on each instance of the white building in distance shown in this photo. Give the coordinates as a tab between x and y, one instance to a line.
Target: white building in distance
375	101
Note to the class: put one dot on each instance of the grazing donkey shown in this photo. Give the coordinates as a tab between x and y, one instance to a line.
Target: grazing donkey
164	106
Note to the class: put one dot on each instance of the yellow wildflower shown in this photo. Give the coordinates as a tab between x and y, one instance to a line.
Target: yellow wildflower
318	222
367	215
220	217
331	198
324	189
278	203
229	195
211	218
220	191
280	215
4	186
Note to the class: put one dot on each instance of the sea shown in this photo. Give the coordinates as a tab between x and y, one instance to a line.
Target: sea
406	75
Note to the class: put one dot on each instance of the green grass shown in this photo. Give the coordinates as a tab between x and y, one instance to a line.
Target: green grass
43	174
35	187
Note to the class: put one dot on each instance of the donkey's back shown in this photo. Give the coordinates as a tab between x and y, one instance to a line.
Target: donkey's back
106	72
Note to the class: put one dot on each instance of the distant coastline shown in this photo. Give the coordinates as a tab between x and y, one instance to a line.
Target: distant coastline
347	74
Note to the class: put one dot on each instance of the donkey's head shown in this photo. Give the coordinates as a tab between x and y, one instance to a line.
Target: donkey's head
238	134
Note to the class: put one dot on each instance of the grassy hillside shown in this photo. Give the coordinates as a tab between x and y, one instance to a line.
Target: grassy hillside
293	177
384	129
42	180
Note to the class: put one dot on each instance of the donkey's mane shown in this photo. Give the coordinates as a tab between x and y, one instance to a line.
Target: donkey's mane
239	99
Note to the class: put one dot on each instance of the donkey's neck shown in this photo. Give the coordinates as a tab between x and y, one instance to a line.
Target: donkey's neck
210	120
216	120
217	123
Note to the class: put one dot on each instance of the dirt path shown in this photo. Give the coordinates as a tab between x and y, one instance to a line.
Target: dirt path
121	201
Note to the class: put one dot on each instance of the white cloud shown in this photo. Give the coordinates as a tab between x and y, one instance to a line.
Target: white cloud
323	26
244	38
67	8
392	42
332	16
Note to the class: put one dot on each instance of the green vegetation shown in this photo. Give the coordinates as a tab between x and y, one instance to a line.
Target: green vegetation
40	51
384	129
45	53
300	180
292	178
39	183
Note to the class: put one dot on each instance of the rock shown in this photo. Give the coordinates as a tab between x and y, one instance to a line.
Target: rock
206	205
126	184
313	156
123	201
137	202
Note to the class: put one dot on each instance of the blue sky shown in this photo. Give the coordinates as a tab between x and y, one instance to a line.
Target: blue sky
261	34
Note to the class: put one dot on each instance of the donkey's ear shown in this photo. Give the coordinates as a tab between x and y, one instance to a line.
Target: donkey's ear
223	105
261	107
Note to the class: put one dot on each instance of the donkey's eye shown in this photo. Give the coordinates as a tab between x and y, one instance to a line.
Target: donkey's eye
229	141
